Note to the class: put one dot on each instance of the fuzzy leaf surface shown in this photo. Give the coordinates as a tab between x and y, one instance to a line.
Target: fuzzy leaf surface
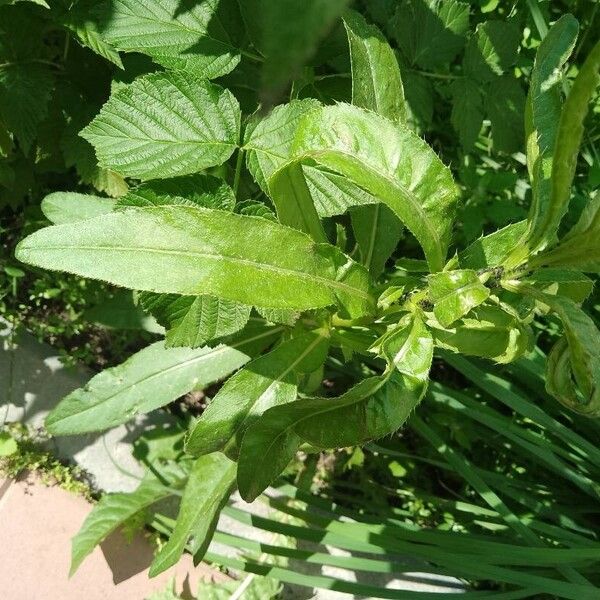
267	381
146	381
164	125
192	251
209	486
70	207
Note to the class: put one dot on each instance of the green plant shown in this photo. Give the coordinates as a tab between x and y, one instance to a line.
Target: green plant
21	452
287	293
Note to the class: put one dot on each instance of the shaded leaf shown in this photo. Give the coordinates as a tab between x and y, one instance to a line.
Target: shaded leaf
467	111
505	105
267	381
210	483
70	207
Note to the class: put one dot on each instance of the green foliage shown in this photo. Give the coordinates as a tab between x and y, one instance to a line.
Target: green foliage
335	302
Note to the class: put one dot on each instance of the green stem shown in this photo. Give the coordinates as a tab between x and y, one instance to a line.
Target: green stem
238	171
437	75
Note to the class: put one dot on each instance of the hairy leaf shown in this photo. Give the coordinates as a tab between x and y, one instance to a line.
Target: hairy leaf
112	511
455	293
193	40
193	190
193	321
189	251
70	207
209	486
488	331
568	138
390	162
542	123
373	408
292	198
376	79
580	248
493	249
267	381
165	124
146	381
377	231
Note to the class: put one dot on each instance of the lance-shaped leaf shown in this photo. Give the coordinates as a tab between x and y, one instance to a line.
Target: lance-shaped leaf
267	381
268	141
112	511
268	147
70	207
193	190
583	341
455	293
489	332
193	321
164	125
390	162
292	198
568	140
190	251
376	79
562	282
491	250
148	380
580	248
377	231
542	123
377	86
375	407
209	486
194	39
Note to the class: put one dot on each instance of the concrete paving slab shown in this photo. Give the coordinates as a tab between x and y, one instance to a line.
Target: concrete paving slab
36	526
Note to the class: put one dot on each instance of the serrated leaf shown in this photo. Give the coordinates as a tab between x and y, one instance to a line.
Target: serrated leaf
505	105
267	381
373	408
377	86
70	207
491	250
390	162
292	198
491	50
430	33
489	332
25	90
193	321
568	138
455	293
580	248
268	141
112	511
146	381
467	111
193	40
164	125
264	263
542	122
583	358
209	486
192	190
376	79
83	20
377	231
562	282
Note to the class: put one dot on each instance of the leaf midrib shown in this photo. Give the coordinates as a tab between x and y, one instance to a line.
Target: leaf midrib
332	283
212	354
